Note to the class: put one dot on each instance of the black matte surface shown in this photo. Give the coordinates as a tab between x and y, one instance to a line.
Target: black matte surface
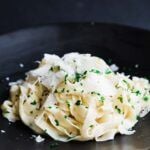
124	45
17	14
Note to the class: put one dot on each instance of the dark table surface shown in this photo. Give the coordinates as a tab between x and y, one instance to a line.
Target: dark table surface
18	14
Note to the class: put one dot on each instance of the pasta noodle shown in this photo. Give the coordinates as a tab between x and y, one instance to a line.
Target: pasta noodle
78	97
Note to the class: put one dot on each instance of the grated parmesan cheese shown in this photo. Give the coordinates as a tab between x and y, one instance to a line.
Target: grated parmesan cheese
7	78
21	65
136	65
16	83
39	139
114	67
3	131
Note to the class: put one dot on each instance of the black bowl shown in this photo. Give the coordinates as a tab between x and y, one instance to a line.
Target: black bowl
122	45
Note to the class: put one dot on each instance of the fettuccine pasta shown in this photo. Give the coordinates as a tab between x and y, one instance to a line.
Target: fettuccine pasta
78	97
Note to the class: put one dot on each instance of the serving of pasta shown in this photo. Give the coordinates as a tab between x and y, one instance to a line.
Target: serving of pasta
78	97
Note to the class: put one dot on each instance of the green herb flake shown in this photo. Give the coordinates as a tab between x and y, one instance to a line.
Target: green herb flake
49	107
63	90
74	90
33	103
92	93
66	78
55	68
118	109
68	104
128	85
117	86
79	76
24	101
120	98
81	84
145	98
138	117
91	126
137	92
108	71
57	122
102	98
65	117
56	91
95	71
31	112
78	102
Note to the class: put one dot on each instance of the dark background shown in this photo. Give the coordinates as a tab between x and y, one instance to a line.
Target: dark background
16	14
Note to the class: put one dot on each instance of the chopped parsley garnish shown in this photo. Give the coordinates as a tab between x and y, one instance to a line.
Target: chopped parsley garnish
66	78
50	107
56	91
145	98
31	112
81	84
65	117
67	91
91	126
137	92
17	95
79	76
118	109
137	117
92	92
95	71
82	91
63	90
117	86
95	93
108	71
128	85
74	90
55	68
102	98
68	104
78	102
57	122
24	101
120	99
33	103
